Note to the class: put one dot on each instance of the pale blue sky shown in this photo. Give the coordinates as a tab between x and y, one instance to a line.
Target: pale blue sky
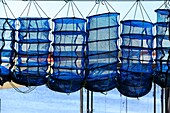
52	7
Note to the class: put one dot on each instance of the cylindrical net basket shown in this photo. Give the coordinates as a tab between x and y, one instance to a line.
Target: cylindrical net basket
7	51
68	55
162	70
135	78
32	50
102	52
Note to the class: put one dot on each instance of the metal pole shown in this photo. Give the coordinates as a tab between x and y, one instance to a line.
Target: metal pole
162	101
126	105
81	100
91	102
0	105
154	98
167	93
88	101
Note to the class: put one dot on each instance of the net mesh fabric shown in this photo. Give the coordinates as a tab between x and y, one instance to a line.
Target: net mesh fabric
135	79
69	55
32	49
7	52
162	59
102	52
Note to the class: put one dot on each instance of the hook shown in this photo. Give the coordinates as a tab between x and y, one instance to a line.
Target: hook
99	1
167	4
66	1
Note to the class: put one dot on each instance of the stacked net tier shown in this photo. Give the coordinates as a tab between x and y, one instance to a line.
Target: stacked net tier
33	49
162	70
7	51
135	78
102	52
68	55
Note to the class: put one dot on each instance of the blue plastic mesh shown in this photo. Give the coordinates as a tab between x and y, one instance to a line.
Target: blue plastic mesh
162	69
162	15
135	79
7	51
32	50
102	52
69	56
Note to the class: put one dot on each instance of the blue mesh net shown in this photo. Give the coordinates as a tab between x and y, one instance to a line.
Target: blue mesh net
69	56
102	52
135	79
162	15
32	50
7	52
162	70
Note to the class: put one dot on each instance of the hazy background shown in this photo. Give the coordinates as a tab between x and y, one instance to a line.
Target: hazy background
43	100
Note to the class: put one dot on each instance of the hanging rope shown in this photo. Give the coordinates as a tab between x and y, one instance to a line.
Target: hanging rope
60	10
129	11
71	5
106	2
37	7
103	3
98	8
138	4
68	9
25	8
72	9
166	4
107	7
136	10
5	4
77	9
145	12
41	8
92	9
29	8
20	91
5	8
